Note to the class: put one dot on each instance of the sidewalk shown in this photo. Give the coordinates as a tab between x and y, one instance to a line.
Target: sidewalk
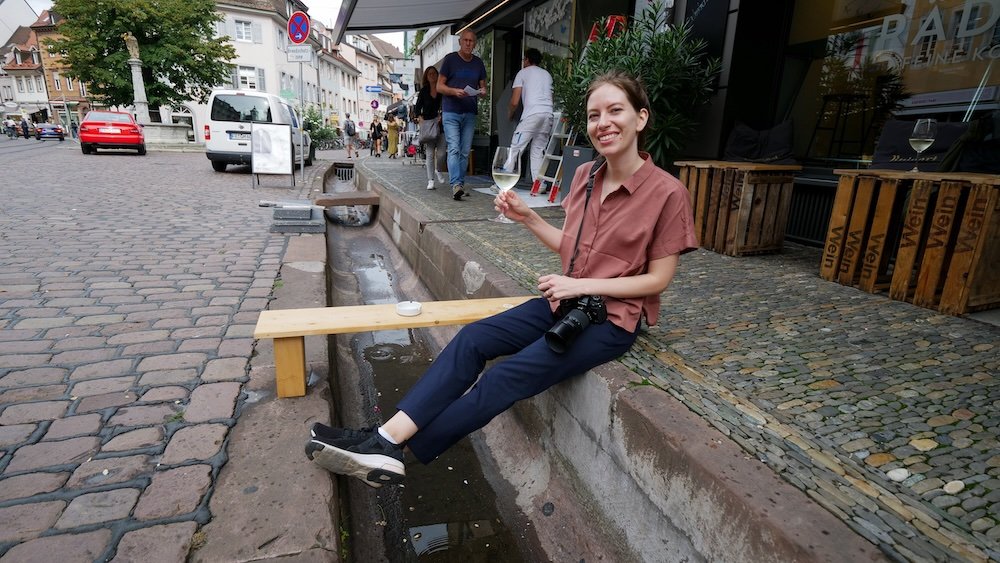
884	413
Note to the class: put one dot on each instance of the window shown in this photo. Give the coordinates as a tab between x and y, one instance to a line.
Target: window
248	77
20	84
244	31
961	45
31	84
55	80
83	89
40	83
282	42
69	83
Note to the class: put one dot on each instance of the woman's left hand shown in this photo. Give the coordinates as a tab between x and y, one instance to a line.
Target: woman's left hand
555	287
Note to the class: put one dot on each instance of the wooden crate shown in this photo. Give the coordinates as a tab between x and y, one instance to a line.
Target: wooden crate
740	208
930	239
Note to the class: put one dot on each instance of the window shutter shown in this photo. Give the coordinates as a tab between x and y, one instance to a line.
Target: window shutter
220	28
258	37
235	77
231	27
260	80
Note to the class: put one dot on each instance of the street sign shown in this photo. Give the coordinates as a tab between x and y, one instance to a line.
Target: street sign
298	28
373	89
299	53
374	104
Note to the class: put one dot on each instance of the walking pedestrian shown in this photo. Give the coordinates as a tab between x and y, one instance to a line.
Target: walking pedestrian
533	89
350	132
462	79
24	127
8	127
638	225
392	127
377	133
427	112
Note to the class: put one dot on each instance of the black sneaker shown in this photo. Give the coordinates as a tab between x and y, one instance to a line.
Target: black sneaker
340	437
457	191
376	461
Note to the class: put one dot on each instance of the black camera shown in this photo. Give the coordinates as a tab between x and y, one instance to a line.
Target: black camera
576	315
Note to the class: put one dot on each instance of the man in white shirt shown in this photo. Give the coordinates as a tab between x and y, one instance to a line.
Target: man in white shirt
533	88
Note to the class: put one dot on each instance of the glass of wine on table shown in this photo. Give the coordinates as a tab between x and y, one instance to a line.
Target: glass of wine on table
922	138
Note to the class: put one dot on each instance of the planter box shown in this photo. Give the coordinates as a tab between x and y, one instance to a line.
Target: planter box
931	239
740	208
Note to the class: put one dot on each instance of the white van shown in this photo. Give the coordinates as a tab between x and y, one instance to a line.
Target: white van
230	113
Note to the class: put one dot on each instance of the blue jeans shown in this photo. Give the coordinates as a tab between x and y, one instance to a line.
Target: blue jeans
458	129
442	409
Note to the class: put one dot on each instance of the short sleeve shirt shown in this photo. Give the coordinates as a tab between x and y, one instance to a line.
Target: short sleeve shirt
458	74
647	218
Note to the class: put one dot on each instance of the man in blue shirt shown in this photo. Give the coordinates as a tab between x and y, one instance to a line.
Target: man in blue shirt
460	70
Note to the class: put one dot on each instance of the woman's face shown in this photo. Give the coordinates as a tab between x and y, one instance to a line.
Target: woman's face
613	124
432	76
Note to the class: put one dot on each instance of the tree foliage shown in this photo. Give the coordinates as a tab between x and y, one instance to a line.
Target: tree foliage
181	57
674	67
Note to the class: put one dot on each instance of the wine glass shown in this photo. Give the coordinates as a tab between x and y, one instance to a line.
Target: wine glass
922	137
506	172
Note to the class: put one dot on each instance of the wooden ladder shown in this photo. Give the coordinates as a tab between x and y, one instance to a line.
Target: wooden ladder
562	135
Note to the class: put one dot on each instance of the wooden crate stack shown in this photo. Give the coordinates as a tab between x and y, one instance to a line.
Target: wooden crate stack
931	239
740	208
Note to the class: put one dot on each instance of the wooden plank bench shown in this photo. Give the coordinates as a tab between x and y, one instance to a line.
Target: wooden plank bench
289	327
335	199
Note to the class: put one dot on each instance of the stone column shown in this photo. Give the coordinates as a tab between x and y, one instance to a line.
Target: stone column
138	86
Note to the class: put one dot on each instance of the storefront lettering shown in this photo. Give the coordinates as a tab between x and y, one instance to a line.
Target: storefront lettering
973	223
895	31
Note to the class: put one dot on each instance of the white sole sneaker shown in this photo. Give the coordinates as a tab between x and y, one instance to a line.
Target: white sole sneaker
374	469
430	184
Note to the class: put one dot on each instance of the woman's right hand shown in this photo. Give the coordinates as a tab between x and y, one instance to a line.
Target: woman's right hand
511	205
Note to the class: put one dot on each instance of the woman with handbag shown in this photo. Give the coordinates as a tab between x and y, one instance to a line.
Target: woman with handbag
427	112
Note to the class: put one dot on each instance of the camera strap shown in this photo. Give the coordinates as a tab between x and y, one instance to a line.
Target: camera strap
590	188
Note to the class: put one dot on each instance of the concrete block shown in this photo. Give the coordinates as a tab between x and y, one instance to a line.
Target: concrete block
293	212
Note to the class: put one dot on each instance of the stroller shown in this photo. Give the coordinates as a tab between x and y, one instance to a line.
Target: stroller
414	152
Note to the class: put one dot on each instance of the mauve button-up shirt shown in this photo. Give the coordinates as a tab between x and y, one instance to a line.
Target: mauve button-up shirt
646	218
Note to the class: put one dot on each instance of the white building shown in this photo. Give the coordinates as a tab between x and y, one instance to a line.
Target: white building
438	42
258	31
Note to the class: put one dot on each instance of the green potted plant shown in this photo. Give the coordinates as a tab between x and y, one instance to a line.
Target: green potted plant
674	66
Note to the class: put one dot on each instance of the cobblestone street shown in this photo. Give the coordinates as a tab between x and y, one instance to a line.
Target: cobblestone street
129	288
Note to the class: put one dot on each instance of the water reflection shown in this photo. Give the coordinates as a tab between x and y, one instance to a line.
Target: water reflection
452	536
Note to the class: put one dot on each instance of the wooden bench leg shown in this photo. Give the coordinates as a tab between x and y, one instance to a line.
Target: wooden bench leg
290	366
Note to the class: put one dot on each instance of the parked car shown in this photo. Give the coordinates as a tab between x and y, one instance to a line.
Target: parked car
110	130
49	131
230	116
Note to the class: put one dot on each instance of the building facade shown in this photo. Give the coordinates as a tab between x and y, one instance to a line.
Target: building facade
67	97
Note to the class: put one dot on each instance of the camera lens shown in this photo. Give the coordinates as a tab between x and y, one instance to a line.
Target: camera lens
561	336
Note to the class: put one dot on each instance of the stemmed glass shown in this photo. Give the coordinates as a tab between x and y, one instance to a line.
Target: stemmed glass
506	172
922	137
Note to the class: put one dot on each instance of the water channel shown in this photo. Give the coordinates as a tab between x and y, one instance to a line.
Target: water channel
448	510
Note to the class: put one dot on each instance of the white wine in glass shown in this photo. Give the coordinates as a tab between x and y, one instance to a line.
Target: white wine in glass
922	138
506	172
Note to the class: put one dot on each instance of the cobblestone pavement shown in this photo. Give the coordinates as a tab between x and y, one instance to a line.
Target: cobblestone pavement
129	289
885	413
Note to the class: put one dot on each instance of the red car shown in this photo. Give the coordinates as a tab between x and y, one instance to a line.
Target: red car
110	130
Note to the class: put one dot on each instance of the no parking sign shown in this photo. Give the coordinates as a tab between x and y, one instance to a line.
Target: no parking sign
374	104
298	28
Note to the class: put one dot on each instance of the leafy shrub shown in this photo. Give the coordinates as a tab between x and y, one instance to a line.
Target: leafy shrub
675	68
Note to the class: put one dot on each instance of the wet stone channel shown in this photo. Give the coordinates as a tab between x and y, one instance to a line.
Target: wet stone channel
445	511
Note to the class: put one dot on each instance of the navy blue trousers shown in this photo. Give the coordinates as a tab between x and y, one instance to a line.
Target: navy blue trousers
444	407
